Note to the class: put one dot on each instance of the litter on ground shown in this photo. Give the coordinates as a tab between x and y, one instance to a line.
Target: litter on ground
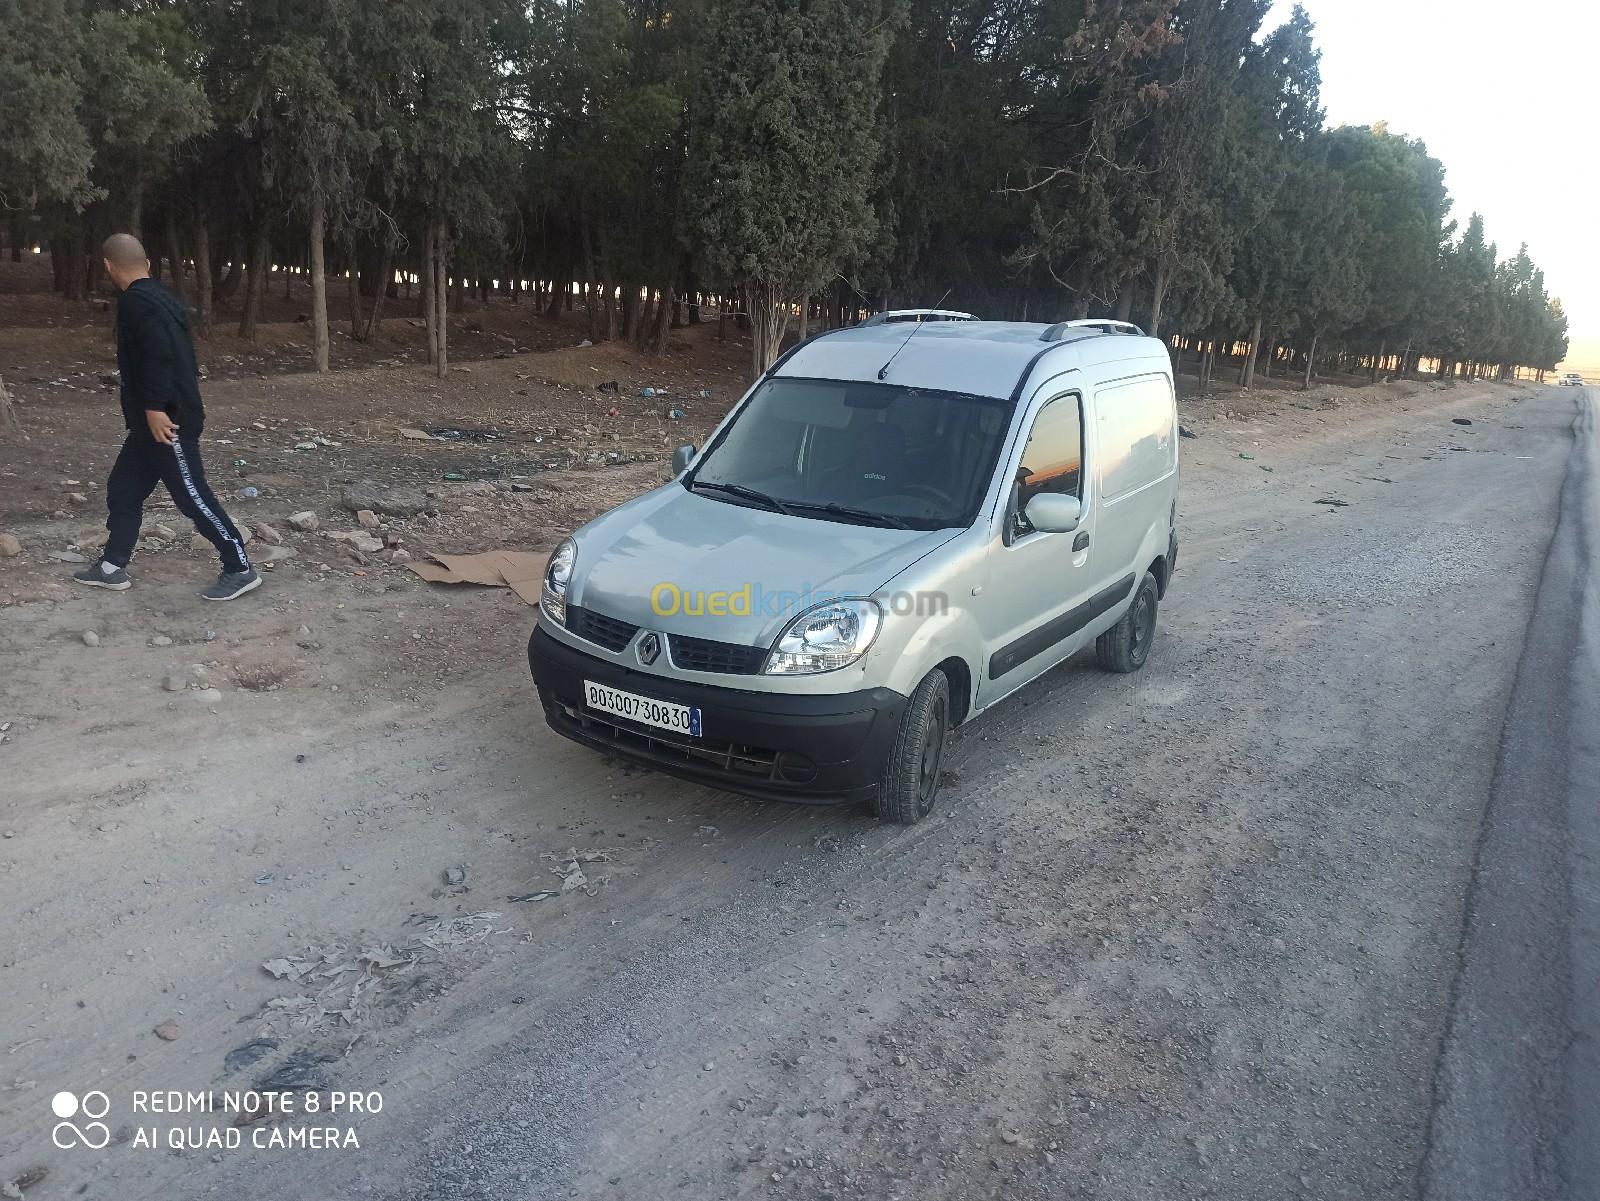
520	571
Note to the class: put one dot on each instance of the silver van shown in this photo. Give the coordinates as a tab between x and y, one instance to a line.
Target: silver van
899	524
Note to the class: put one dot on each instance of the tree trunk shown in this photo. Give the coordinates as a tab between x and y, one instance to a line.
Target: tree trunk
136	207
75	279
805	318
630	312
663	323
223	286
174	254
428	294
769	319
319	285
647	317
385	283
202	272
352	292
1255	349
1311	358
1158	295
255	286
441	280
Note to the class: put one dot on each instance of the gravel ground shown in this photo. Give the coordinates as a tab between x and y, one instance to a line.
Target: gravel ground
1187	933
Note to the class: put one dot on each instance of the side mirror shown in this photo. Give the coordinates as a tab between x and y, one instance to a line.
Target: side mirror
681	458
1054	513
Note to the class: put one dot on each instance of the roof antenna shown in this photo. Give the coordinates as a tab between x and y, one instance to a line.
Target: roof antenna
916	325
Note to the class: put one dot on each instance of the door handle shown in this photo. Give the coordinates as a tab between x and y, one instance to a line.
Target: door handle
1081	542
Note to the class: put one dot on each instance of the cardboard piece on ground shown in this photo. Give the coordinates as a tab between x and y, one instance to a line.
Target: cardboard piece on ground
521	571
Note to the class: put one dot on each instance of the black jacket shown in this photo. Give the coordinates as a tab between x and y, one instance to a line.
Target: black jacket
155	358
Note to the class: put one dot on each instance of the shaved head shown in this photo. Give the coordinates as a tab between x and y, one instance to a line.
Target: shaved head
125	259
124	250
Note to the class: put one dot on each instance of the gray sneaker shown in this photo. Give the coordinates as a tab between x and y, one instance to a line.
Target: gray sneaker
233	583
95	576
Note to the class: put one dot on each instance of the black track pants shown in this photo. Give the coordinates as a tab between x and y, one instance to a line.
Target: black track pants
143	463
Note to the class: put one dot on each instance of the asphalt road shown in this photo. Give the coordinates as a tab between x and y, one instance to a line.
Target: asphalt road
1518	1093
1305	909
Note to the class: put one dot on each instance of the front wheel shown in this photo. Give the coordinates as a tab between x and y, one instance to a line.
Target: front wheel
911	779
1126	645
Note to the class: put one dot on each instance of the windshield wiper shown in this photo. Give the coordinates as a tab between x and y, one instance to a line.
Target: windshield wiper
861	515
739	490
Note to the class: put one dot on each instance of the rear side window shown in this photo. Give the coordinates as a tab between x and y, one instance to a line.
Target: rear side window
1135	426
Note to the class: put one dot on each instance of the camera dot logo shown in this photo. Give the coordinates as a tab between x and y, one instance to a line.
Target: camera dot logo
93	1133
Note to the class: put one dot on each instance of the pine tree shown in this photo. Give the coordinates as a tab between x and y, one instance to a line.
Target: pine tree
784	147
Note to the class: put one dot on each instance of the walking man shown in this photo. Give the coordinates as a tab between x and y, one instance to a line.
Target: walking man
161	408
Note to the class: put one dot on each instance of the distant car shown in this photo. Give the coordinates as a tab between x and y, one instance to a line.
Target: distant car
1571	380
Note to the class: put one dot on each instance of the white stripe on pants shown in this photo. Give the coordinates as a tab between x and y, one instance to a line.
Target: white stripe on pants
194	495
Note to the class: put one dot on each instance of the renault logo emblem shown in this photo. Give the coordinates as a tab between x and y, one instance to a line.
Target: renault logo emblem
649	648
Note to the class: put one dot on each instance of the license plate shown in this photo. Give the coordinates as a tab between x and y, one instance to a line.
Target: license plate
664	715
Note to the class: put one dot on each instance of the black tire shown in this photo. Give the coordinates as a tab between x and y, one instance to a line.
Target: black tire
1126	645
911	778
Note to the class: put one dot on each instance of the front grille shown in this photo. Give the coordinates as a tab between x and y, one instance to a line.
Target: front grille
600	629
728	658
732	758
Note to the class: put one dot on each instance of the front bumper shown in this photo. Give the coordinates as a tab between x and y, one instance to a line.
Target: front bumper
776	746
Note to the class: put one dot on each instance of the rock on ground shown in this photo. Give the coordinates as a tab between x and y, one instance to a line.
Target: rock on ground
389	501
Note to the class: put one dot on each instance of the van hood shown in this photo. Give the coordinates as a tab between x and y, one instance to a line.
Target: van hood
683	546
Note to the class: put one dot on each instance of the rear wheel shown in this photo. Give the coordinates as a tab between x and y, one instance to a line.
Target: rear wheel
1126	645
911	779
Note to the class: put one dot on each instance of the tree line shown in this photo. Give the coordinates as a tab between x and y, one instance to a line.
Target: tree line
791	161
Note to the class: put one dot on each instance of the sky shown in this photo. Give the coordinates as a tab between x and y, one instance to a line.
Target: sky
1503	95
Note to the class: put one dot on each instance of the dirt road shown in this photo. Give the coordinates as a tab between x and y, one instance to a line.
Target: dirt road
1193	932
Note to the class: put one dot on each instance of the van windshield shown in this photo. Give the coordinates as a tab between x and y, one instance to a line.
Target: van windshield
855	452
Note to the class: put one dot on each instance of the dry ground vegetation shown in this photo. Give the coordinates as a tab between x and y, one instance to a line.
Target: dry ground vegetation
215	952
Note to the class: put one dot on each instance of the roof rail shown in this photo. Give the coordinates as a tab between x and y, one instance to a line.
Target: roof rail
895	316
1057	331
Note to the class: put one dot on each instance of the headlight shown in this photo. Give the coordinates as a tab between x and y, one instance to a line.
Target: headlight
557	575
825	638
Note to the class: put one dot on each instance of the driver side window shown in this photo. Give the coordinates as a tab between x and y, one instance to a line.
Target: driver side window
1052	460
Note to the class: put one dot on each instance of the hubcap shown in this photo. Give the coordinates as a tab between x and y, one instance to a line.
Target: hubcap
1144	625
